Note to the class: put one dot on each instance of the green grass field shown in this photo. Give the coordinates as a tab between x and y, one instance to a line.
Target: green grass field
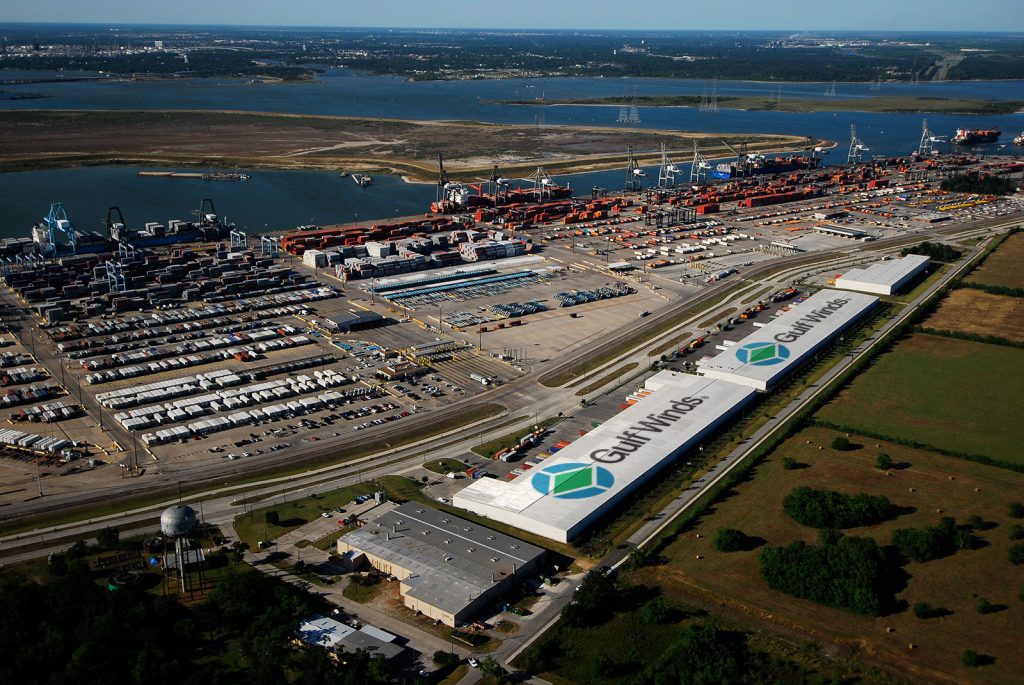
253	527
928	483
950	394
1004	266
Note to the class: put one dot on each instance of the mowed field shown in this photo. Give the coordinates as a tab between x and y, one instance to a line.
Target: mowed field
967	310
940	392
1005	266
927	482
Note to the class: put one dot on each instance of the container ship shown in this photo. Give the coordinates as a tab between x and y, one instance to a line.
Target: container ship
56	235
467	197
754	165
971	136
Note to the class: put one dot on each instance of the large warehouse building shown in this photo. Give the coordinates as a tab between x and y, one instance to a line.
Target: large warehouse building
590	476
448	568
884	278
769	354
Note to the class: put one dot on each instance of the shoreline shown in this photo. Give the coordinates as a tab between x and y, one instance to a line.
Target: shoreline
153	139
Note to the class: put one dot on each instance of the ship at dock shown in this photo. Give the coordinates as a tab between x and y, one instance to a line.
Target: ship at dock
362	180
206	176
57	236
455	197
755	164
973	136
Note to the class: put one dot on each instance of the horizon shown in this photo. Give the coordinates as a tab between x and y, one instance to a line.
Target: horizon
517	29
922	16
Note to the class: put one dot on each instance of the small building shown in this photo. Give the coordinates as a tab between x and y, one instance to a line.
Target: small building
400	371
449	569
350	322
336	636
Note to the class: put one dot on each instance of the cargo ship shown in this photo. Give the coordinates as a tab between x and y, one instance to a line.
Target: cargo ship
56	235
466	197
971	136
754	165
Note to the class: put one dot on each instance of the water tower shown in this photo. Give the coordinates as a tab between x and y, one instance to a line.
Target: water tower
178	525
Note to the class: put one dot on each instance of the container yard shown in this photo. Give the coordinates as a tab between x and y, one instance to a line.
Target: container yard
169	358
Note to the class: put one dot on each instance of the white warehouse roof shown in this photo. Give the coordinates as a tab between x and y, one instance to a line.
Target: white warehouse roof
883	278
772	351
559	498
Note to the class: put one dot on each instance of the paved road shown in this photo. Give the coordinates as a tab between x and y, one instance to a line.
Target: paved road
525	397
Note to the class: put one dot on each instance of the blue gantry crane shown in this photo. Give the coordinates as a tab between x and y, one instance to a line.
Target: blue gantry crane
62	232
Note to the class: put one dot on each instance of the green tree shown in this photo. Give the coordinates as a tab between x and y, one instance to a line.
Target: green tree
272	517
730	540
923	610
654	611
1016	553
1017	531
490	667
984	606
700	655
841	443
1017	510
108	538
970	658
883	461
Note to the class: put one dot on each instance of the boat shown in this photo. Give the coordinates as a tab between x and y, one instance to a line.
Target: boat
461	197
220	176
1019	140
755	165
362	180
971	136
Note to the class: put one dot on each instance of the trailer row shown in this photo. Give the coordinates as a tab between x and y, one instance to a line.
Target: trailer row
32	442
47	413
225	400
249	417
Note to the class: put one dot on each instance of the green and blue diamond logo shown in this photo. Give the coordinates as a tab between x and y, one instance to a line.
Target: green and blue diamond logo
572	480
762	353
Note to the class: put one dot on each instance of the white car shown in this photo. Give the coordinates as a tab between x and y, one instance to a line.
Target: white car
473	662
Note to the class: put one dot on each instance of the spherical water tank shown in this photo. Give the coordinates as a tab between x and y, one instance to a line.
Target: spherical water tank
177	521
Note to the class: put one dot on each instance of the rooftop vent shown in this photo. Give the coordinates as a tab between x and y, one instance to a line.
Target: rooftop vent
490	537
471	549
446	520
494	559
447	541
425	532
515	546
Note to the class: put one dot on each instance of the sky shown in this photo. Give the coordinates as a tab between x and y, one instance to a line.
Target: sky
795	15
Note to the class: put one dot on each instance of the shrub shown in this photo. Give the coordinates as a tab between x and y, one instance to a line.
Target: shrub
730	540
925	544
984	606
830	509
842	444
1016	553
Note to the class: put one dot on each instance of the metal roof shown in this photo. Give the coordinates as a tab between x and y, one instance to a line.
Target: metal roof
772	351
452	561
885	276
564	494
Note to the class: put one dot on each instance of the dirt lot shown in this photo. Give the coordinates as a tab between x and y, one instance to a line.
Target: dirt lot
1003	267
974	311
926	482
34	139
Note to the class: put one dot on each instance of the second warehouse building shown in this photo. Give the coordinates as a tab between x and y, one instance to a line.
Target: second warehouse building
769	354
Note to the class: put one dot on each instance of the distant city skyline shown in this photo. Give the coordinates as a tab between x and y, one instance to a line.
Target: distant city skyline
739	15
